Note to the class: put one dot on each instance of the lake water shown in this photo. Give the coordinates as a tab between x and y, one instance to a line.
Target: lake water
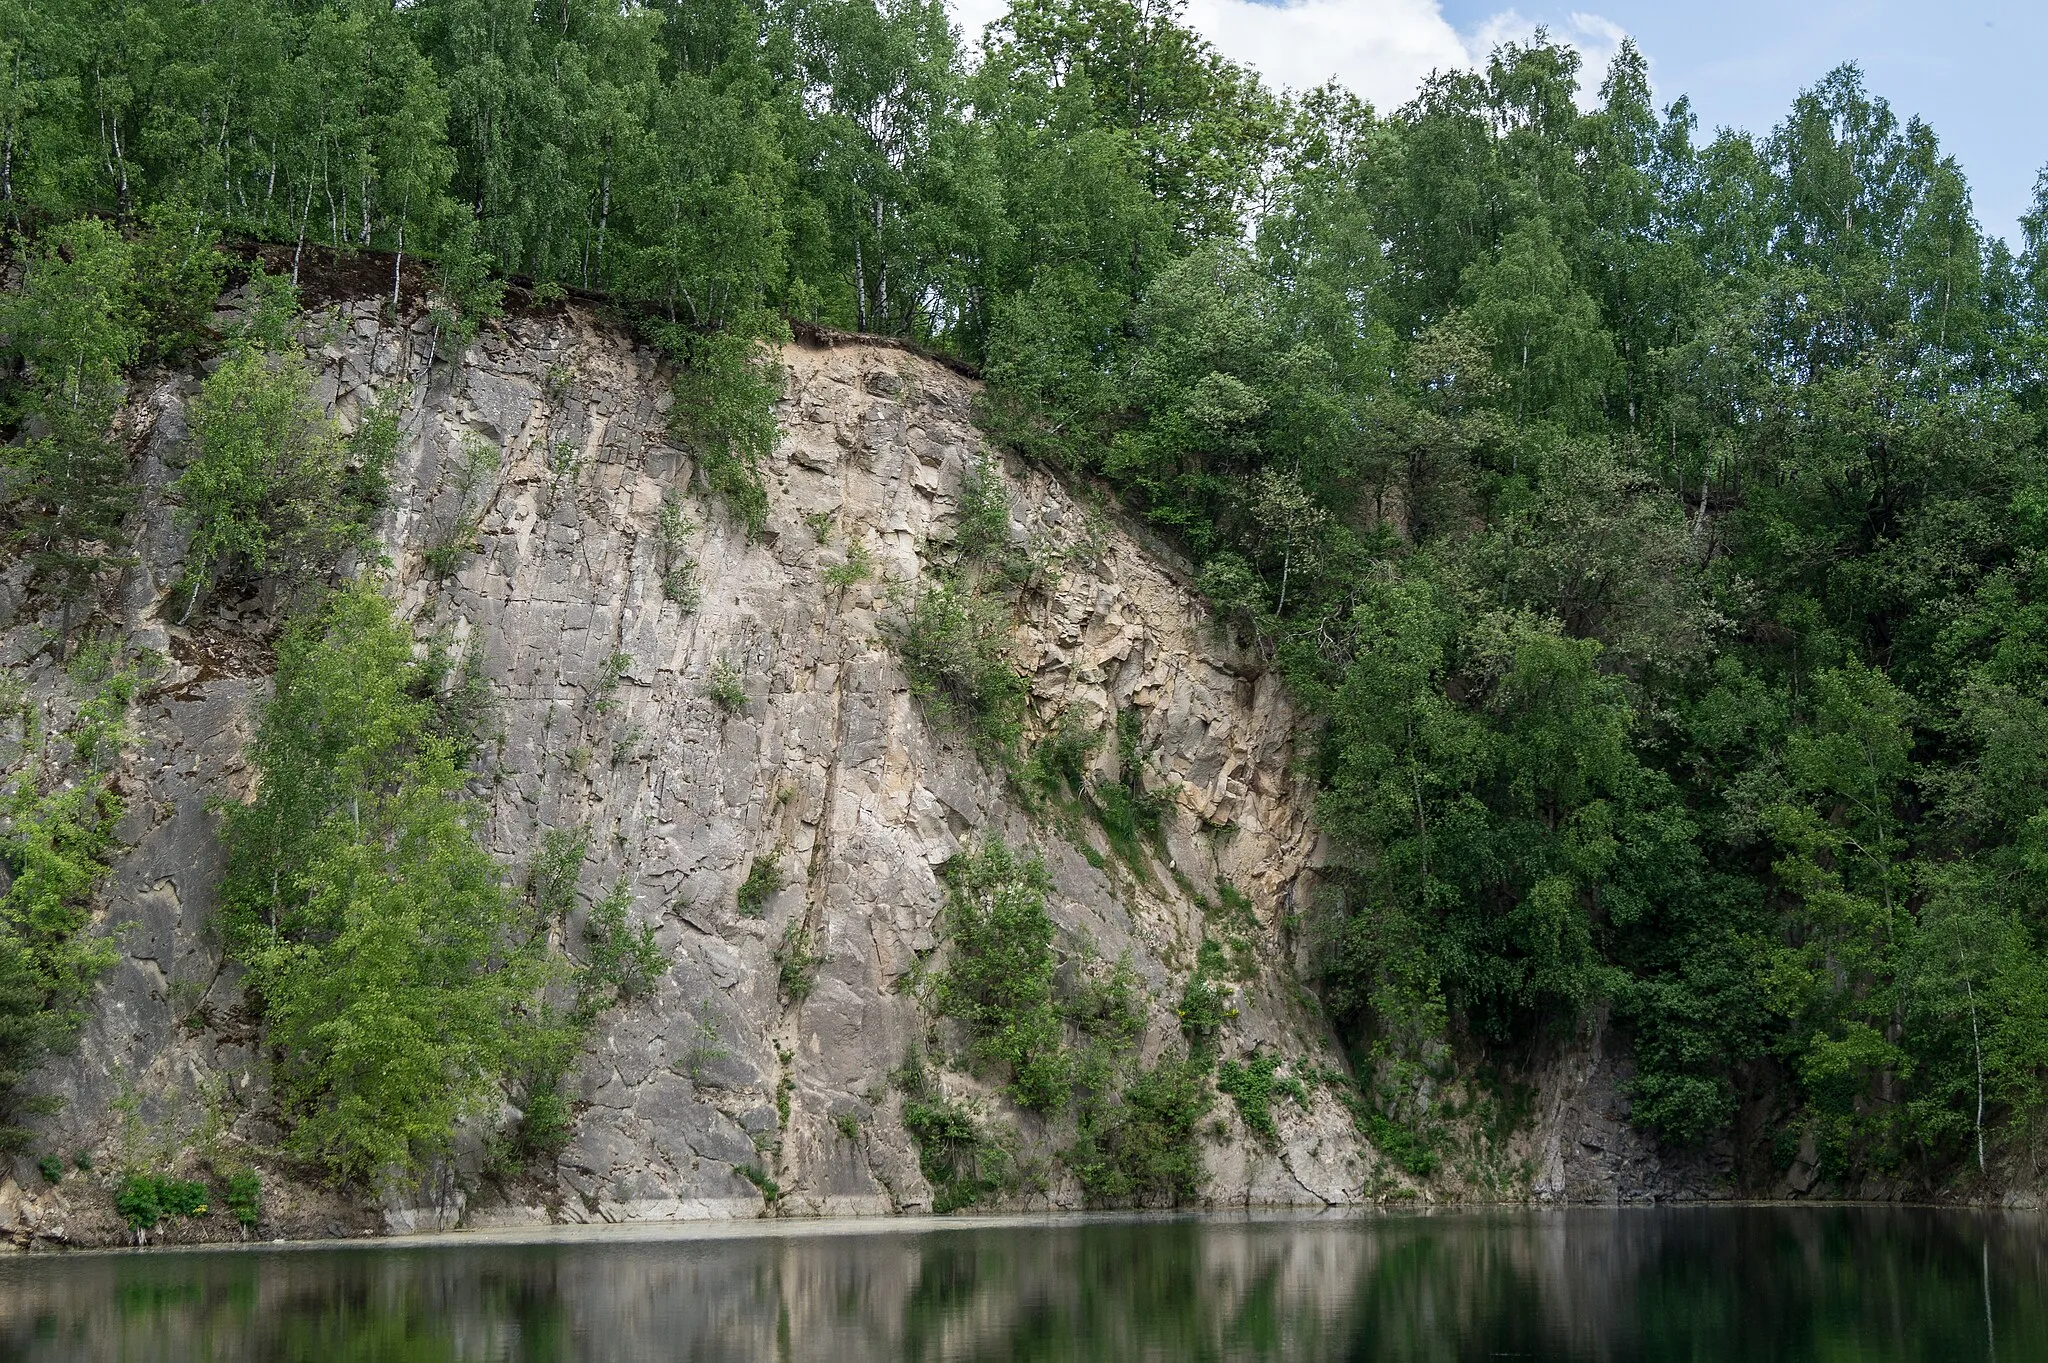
1700	1285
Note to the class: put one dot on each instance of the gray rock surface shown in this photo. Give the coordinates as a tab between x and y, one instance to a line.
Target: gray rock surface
831	769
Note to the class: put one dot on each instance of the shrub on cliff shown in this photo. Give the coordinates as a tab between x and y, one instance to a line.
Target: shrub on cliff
399	977
57	822
273	487
1143	1148
956	647
999	975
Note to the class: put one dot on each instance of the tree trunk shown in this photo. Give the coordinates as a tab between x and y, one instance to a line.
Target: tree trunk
1977	1044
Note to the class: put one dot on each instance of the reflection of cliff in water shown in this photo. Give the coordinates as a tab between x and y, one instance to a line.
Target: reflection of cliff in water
1731	1283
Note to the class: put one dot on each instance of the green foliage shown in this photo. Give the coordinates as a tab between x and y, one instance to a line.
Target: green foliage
1058	763
728	689
472	471
1410	1149
465	295
57	825
725	395
1056	771
546	1123
70	323
1143	1149
673	530
1251	1084
764	877
621	961
65	487
399	980
552	875
796	965
1127	819
51	1168
1060	1045
1206	1000
754	1174
998	978
982	532
957	1154
957	1158
372	450
1649	528
955	646
1106	1008
178	270
242	1195
857	566
270	490
616	666
147	1200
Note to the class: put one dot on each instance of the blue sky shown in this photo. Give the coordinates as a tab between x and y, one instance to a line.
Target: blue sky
1971	68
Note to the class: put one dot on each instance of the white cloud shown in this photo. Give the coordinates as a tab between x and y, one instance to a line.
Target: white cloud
1596	37
1382	49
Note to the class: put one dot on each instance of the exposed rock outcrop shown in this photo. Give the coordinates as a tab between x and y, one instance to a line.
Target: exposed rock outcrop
831	770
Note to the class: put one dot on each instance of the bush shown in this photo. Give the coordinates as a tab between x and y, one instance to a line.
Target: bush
956	648
958	1158
678	570
51	1168
179	270
269	490
725	394
1143	1149
758	1176
400	980
552	876
146	1200
1205	1003
57	831
796	966
1129	819
138	1201
1058	764
764	878
1252	1084
1108	1009
982	533
471	471
1410	1149
243	1196
621	962
545	1124
728	689
1129	814
999	972
858	567
65	484
184	1197
464	295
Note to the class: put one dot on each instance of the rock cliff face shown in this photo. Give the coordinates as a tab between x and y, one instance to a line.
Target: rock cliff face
831	771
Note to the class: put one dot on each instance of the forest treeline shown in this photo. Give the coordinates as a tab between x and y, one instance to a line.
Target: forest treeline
1652	523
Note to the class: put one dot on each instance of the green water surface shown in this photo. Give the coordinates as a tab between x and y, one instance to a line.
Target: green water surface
1702	1285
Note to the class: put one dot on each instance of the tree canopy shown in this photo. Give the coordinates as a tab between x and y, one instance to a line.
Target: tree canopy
1652	525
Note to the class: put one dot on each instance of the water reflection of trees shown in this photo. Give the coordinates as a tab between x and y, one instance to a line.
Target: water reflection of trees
1584	1285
